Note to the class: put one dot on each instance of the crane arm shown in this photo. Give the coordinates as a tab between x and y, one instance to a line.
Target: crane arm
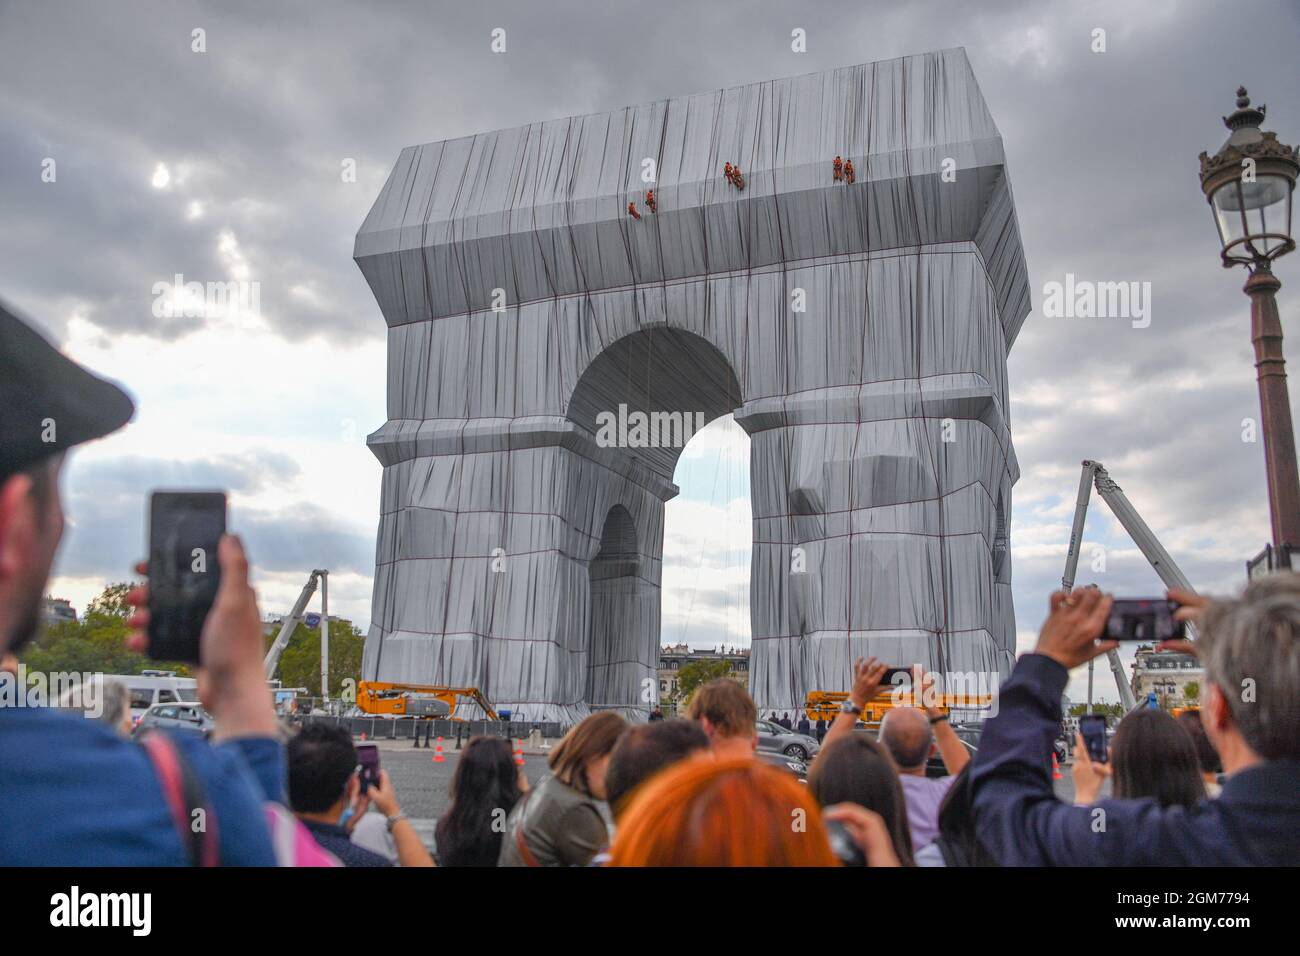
290	623
1137	529
1095	475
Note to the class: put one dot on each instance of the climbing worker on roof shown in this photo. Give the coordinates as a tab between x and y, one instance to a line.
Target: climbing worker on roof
837	169
728	172
631	210
650	200
737	180
848	171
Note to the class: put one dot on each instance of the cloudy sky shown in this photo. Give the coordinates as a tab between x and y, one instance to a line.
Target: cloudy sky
225	165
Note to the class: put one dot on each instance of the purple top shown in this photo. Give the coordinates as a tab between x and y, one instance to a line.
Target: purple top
923	796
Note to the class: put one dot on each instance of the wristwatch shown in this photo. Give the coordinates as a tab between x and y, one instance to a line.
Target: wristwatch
935	720
848	707
394	820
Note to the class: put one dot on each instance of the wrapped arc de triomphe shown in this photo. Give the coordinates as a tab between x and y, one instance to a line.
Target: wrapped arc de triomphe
858	331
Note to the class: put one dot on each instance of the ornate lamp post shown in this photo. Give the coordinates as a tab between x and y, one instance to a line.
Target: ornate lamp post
1249	183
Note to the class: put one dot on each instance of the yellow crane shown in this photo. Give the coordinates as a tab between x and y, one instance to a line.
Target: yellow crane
419	700
826	703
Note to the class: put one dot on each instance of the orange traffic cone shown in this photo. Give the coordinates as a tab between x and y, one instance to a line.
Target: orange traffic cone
519	753
437	752
1056	768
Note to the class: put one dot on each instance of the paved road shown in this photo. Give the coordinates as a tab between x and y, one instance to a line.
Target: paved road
423	785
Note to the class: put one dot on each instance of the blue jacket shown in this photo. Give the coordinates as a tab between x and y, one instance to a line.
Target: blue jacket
74	793
1255	821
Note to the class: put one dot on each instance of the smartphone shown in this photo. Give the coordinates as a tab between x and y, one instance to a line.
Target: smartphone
843	845
368	758
897	677
1092	727
184	529
1150	620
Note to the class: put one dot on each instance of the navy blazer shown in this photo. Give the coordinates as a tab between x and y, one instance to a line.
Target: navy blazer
1254	821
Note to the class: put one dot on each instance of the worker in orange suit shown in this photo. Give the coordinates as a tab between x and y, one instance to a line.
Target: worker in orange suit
650	200
848	171
728	172
837	169
737	179
631	210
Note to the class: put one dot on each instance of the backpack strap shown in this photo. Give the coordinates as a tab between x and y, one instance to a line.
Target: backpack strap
184	794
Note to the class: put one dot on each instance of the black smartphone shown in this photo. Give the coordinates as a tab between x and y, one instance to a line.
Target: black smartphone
897	677
184	529
1092	727
1150	620
368	758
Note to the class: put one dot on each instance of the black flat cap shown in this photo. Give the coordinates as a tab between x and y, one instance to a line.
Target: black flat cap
48	403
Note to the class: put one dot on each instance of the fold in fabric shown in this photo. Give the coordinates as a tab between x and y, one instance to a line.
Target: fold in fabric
859	334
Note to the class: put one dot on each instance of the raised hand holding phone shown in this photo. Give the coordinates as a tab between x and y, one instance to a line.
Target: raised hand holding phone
1069	635
1088	774
232	685
184	530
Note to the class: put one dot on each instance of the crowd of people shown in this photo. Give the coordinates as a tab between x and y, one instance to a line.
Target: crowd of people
686	791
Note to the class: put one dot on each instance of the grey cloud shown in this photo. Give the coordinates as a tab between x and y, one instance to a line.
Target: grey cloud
303	538
1102	152
106	504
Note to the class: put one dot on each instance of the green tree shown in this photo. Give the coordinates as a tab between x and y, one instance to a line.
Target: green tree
1192	691
96	643
300	662
111	601
694	673
1098	707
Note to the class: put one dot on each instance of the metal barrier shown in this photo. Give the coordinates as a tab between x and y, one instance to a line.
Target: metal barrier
421	730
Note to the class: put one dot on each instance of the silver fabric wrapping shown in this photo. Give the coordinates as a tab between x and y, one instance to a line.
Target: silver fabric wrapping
518	554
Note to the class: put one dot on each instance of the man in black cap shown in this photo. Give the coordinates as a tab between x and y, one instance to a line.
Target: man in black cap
74	793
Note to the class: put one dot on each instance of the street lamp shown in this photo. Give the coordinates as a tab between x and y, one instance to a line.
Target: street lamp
1249	183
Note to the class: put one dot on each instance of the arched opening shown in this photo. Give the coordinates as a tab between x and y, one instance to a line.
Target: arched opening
618	598
1001	546
645	398
669	381
707	554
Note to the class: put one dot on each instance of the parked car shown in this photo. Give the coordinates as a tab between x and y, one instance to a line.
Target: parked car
968	734
179	716
773	737
156	687
790	764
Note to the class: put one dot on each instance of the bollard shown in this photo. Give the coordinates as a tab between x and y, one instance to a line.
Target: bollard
437	753
415	737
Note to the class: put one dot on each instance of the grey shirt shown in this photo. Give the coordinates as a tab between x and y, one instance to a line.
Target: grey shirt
561	825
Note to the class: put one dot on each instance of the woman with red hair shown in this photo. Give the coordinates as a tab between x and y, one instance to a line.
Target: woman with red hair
736	812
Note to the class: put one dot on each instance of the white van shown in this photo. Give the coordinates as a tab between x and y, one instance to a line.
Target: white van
156	687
